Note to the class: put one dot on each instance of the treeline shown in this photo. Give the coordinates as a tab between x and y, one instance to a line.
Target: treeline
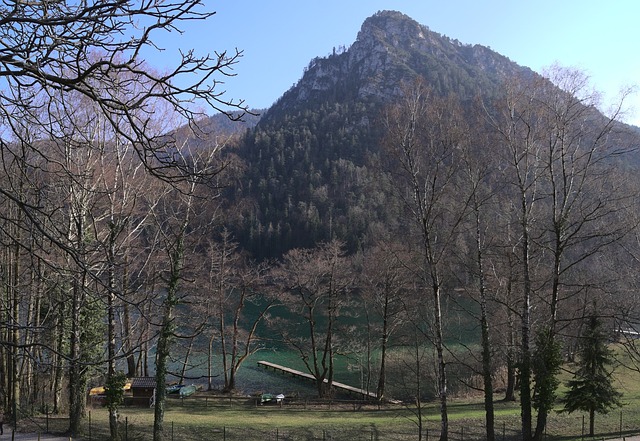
98	203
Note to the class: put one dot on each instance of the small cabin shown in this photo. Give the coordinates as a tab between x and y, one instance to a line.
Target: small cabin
142	390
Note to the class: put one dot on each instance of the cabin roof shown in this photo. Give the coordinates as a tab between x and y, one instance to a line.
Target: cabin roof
143	382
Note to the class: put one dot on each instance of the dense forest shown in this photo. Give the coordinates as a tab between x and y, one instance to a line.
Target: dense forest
407	189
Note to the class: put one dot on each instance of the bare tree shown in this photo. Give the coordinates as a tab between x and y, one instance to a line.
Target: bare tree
558	153
173	213
315	285
53	57
522	154
234	284
583	199
97	52
384	283
477	171
423	133
70	197
118	220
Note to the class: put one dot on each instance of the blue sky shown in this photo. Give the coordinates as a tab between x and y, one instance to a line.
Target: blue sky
280	37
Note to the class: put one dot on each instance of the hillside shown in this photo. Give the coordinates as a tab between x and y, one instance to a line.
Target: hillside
308	160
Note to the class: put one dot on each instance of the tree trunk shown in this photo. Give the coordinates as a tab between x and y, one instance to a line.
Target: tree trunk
418	387
541	423
487	374
15	331
111	331
186	361
525	357
510	392
383	350
442	373
231	385
126	322
484	325
221	319
56	387
162	355
76	387
210	363
176	262
164	345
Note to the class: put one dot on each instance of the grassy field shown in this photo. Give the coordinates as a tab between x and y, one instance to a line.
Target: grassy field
214	418
210	416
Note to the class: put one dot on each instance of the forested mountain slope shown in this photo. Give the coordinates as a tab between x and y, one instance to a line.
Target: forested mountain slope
309	161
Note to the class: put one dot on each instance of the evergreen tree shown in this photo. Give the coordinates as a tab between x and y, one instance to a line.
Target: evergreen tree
545	366
591	389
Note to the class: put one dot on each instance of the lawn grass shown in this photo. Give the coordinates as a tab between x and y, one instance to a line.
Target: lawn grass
207	416
211	418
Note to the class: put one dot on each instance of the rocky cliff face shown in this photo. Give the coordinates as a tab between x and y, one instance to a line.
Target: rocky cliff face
392	49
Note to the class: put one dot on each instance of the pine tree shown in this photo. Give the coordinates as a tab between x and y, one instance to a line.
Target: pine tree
591	389
545	366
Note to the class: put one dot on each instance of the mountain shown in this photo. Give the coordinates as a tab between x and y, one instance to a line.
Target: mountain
308	159
390	49
222	124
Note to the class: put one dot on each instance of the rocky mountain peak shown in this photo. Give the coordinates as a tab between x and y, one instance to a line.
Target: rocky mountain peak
393	28
391	49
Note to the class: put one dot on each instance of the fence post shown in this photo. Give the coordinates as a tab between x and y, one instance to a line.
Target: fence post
89	425
620	424
172	431
126	428
462	433
504	430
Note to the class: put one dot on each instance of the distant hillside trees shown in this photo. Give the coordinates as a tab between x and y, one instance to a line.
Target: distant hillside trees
307	181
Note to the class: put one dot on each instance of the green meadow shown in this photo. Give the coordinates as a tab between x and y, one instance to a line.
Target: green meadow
209	415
